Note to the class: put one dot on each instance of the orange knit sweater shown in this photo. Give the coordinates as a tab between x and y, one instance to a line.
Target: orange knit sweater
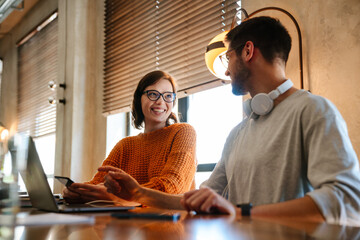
163	159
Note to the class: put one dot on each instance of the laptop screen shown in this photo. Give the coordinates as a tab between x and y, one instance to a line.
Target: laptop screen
35	180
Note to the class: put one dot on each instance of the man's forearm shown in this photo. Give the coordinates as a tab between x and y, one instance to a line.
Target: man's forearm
301	209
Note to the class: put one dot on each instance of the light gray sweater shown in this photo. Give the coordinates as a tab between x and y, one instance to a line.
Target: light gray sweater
301	147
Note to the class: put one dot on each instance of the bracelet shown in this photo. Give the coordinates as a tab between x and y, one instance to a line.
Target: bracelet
245	209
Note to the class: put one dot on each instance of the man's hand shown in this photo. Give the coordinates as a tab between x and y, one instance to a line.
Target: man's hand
82	192
206	200
121	184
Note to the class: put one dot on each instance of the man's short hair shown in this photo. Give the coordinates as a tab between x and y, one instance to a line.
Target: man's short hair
267	34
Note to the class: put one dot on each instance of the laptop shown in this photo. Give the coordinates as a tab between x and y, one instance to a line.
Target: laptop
39	190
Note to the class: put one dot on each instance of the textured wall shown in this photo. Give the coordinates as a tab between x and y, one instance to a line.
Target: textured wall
331	49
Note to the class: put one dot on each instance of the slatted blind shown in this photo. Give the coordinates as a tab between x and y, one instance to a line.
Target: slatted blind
168	35
37	65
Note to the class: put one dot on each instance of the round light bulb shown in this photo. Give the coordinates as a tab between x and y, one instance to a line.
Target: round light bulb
4	133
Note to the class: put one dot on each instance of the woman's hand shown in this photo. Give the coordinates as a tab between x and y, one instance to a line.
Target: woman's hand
72	196
83	192
121	184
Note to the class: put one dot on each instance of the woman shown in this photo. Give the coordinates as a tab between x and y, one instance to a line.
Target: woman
161	158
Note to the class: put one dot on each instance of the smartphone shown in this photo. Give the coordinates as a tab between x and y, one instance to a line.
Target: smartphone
65	180
158	216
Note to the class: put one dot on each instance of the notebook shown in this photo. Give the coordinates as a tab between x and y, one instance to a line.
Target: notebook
39	190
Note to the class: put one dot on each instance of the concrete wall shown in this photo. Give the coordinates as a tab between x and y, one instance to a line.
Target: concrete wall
331	48
82	130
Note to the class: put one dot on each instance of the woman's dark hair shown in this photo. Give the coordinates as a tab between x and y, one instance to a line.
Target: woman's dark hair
267	34
149	79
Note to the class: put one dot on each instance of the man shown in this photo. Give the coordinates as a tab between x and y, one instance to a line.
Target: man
291	158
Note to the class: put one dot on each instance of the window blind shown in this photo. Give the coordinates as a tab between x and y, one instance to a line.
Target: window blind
143	36
37	65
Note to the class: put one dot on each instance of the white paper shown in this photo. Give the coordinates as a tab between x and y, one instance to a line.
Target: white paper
52	218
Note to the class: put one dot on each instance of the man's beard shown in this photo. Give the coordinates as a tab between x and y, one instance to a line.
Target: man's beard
240	78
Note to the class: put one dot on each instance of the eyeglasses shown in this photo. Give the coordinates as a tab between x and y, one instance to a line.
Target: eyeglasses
224	58
154	95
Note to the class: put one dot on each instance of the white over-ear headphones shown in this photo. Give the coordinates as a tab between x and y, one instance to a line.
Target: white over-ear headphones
262	103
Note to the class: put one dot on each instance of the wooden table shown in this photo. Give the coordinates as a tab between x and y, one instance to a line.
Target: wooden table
190	226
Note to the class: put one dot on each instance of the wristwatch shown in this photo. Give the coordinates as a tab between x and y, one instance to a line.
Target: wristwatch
245	209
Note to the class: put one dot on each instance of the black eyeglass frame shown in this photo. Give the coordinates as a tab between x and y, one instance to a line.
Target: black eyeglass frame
160	94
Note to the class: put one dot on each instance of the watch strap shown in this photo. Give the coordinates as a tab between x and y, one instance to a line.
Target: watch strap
245	209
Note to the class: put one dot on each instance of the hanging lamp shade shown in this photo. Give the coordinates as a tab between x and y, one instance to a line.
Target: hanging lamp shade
215	48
